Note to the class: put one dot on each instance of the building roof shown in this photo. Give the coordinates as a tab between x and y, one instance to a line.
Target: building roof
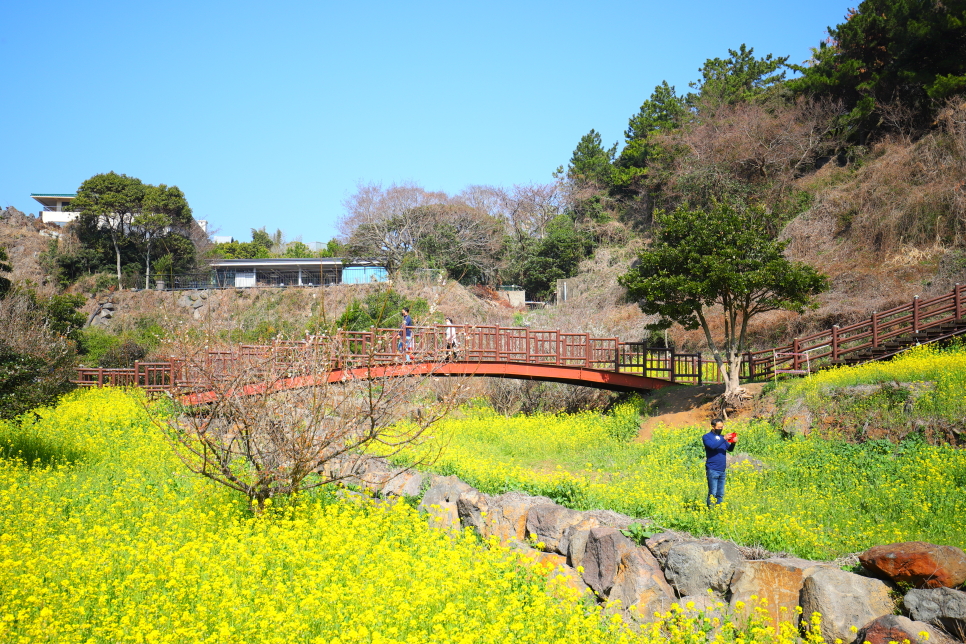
293	263
52	194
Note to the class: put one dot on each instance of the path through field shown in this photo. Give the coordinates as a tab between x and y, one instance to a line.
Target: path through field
677	407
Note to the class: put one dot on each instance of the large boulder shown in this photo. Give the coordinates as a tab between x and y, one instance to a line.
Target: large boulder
844	600
943	607
507	517
778	582
404	483
547	522
472	507
574	539
602	557
694	567
921	564
660	544
897	628
440	501
639	585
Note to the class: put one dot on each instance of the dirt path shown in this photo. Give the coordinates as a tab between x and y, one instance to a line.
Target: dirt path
677	407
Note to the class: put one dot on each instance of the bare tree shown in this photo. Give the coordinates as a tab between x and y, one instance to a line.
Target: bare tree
273	420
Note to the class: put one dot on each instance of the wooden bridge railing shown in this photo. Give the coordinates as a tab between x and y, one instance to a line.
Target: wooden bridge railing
884	332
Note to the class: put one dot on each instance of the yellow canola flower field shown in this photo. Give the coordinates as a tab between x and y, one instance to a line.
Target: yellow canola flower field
811	497
104	537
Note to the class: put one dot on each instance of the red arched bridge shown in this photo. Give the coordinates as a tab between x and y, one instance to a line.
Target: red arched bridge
554	356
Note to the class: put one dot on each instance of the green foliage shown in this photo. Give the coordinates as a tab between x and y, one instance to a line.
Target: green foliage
637	533
887	50
334	248
740	77
591	163
537	264
241	250
61	314
381	309
297	249
122	223
699	259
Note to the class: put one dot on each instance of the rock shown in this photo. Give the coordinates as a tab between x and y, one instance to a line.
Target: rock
375	473
898	628
108	306
777	581
602	556
943	607
404	483
472	506
440	501
574	538
844	600
547	522
507	517
639	585
924	565
744	459
694	567
660	544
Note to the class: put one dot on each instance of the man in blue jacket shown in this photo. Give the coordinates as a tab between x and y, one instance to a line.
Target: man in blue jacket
716	448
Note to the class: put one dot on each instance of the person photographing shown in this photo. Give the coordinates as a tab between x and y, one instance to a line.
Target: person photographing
716	448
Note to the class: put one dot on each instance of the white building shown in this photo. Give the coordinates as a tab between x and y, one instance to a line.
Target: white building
55	209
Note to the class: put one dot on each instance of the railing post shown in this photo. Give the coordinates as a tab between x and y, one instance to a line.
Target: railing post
915	314
526	339
100	377
957	294
835	342
875	329
700	369
671	366
751	366
617	355
795	358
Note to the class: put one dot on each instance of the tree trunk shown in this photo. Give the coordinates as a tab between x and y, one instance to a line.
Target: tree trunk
147	266
117	253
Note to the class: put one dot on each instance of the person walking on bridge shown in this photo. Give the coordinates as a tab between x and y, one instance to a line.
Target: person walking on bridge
406	334
716	448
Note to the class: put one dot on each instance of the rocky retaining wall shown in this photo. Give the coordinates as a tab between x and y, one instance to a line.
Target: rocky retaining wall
592	554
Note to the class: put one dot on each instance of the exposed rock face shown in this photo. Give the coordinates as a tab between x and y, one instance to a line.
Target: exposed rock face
507	516
640	586
440	501
897	628
943	607
472	506
404	483
660	544
777	581
844	600
693	567
924	565
547	522
602	556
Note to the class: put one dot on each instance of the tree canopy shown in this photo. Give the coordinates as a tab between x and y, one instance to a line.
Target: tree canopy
913	51
718	262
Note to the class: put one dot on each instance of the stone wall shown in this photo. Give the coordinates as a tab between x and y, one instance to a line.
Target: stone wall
718	577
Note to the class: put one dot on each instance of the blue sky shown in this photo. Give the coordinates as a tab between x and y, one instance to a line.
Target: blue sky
270	113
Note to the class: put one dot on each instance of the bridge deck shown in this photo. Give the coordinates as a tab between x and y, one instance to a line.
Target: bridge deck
556	356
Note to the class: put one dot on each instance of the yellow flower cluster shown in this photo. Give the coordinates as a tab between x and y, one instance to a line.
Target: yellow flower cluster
812	497
104	537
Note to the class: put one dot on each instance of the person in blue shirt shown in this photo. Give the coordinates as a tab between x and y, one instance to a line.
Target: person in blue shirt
716	448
